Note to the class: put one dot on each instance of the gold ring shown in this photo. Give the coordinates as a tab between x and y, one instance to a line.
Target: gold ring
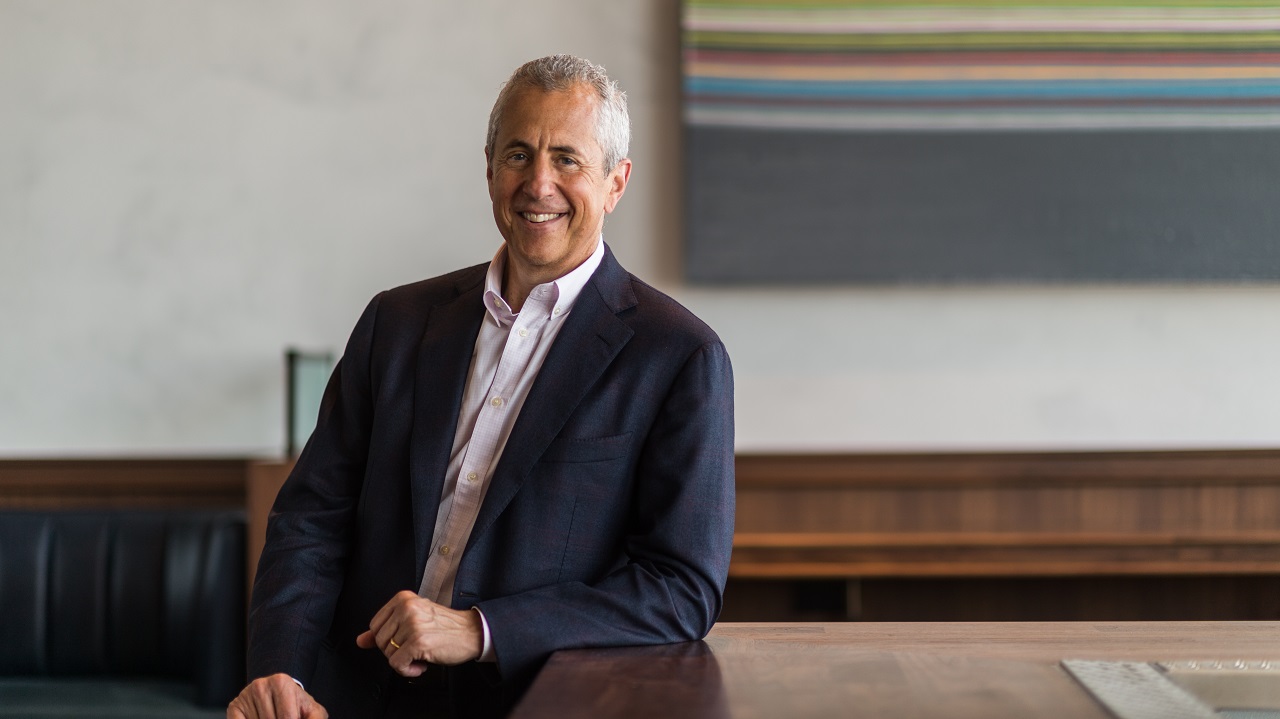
393	643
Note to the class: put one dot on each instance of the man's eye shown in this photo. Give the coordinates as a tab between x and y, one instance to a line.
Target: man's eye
518	157
568	161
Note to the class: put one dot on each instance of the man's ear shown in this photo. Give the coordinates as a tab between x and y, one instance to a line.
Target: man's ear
488	171
617	180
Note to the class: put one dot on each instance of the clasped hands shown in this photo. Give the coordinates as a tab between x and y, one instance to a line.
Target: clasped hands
411	632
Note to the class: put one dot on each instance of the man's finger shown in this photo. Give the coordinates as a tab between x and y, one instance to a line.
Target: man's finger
389	609
247	705
285	698
410	668
366	640
311	709
386	635
403	663
260	697
275	697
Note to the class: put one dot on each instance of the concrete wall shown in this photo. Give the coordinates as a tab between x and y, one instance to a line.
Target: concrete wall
186	188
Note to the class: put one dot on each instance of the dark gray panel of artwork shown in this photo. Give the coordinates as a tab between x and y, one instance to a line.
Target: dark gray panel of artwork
821	207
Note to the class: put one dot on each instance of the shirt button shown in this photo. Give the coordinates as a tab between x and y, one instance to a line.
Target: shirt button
556	311
496	401
472	476
444	550
524	332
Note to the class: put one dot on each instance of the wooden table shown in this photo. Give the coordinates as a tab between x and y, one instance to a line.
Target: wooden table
898	670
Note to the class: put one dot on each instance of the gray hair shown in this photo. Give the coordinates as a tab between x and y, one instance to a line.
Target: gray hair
561	72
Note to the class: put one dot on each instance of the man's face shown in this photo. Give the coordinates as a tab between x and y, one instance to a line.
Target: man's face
547	181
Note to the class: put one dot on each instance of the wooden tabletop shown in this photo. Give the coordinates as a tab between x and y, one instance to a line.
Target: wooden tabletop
898	670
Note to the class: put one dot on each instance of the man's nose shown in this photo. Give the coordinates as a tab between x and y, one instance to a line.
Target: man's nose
540	181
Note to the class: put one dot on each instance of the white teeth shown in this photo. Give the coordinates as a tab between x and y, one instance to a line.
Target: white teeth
540	217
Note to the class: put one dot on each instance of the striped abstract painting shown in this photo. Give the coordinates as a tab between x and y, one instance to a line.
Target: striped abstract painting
1068	64
935	107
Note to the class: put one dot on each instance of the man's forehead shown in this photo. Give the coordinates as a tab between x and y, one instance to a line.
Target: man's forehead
578	92
562	117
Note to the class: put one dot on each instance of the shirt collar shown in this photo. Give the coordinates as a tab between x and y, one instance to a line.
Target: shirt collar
564	290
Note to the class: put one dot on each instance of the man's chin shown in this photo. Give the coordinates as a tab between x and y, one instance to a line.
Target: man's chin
536	254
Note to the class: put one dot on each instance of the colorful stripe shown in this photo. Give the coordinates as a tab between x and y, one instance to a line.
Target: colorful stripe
951	64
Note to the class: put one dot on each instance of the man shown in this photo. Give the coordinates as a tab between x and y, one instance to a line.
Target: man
511	459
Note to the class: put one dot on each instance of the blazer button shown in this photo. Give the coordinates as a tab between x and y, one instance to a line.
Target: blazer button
377	692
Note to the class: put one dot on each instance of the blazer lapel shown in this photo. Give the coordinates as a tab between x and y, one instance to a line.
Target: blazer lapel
444	358
591	337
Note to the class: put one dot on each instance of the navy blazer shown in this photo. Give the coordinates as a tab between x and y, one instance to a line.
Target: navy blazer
608	520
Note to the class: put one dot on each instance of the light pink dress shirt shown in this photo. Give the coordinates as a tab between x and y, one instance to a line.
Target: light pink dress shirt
509	352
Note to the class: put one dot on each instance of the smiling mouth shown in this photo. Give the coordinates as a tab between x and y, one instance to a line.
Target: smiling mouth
539	217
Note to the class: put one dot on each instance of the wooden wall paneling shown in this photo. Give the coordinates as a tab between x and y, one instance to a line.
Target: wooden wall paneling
1012	514
868	525
1006	468
102	483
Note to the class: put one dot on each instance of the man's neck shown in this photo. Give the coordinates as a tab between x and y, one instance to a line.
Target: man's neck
518	283
516	289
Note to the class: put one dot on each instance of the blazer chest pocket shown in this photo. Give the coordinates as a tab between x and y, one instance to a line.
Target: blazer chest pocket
587	449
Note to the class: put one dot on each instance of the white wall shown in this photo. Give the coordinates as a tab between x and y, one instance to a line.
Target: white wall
187	187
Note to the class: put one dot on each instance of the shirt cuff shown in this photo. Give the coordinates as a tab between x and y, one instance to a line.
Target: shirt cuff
486	653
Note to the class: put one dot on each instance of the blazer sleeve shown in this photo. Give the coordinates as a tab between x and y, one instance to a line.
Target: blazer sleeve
679	537
300	572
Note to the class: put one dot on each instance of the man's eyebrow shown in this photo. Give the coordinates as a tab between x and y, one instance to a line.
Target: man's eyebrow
522	145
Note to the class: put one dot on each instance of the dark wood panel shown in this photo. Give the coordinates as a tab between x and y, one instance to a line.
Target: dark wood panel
1008	514
858	516
975	469
93	483
990	554
1041	506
